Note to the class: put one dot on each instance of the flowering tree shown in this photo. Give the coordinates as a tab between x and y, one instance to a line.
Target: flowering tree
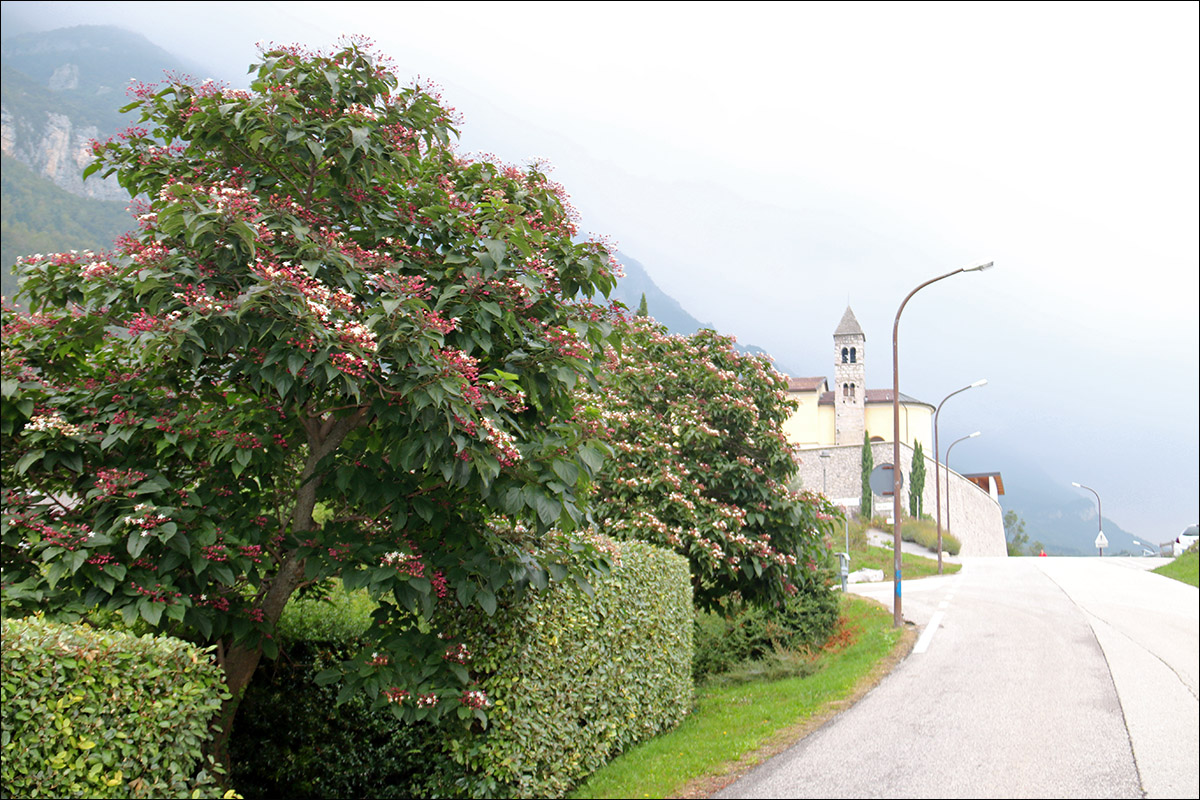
335	348
701	465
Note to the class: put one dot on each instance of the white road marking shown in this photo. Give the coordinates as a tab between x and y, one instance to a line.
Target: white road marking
927	634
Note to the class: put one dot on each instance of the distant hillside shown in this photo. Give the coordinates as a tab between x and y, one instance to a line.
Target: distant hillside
39	217
1060	516
664	308
61	89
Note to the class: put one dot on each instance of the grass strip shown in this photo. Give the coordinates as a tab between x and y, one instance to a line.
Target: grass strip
914	566
736	727
1185	568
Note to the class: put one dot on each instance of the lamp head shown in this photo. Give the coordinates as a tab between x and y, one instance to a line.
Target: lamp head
981	267
980	382
976	433
1077	485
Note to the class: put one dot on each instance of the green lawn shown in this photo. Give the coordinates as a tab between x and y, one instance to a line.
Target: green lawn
734	726
1184	568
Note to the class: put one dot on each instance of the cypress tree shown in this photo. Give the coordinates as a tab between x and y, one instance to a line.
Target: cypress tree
866	505
916	482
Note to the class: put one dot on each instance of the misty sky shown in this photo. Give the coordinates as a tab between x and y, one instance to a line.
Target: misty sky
769	163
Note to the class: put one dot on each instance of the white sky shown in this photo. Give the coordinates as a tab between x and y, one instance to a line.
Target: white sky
768	162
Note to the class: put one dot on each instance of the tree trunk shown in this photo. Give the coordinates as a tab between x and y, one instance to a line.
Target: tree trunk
239	661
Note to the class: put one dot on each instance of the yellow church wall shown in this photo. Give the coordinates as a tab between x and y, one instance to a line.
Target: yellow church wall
916	423
803	427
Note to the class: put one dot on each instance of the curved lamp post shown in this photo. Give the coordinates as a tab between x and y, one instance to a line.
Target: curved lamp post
948	449
897	616
1099	513
937	484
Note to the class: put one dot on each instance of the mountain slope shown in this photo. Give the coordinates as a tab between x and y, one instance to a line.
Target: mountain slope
666	309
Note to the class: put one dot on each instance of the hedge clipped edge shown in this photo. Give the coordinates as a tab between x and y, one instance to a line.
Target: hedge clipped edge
97	713
574	680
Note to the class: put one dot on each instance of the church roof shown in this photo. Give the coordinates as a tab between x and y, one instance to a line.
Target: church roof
805	384
876	396
849	325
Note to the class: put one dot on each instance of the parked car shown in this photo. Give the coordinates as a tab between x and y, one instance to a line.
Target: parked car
1190	535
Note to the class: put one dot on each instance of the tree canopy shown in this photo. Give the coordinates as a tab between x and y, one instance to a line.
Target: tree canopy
701	464
334	347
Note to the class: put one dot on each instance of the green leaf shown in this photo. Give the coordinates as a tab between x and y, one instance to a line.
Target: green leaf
327	676
27	460
566	471
136	542
487	601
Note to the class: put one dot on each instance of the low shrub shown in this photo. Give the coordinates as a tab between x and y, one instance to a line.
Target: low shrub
741	633
923	532
96	713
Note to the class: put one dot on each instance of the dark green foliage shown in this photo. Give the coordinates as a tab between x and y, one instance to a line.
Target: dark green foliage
916	482
570	679
293	740
574	680
94	713
643	310
866	506
739	632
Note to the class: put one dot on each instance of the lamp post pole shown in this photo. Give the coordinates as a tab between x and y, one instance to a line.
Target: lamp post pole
897	616
948	449
937	456
1099	513
825	456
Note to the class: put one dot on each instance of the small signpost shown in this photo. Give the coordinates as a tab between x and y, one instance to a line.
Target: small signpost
1101	542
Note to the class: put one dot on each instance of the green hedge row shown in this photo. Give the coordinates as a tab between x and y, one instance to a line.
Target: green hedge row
571	681
96	713
574	680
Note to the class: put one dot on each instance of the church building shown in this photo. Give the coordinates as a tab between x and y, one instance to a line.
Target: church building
839	415
828	428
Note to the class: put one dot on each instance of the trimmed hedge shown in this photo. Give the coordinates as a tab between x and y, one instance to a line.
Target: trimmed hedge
96	713
574	680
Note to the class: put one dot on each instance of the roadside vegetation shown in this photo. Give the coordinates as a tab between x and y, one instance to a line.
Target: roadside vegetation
739	721
864	555
1185	568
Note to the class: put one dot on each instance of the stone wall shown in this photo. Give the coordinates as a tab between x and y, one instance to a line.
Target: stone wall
975	518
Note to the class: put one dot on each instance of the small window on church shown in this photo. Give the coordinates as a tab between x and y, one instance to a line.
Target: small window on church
845	356
852	391
853	355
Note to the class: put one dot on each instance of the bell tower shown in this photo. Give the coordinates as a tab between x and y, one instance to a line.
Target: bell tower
849	379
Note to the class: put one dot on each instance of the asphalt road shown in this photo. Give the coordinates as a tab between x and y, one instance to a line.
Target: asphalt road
1032	677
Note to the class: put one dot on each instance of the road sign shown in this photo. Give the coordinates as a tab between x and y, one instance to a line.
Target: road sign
1101	541
883	480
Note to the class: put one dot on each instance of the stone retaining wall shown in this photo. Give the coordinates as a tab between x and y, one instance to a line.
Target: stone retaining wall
968	511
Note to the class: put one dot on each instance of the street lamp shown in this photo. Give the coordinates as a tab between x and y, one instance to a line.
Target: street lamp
825	456
937	484
1099	515
948	449
897	616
